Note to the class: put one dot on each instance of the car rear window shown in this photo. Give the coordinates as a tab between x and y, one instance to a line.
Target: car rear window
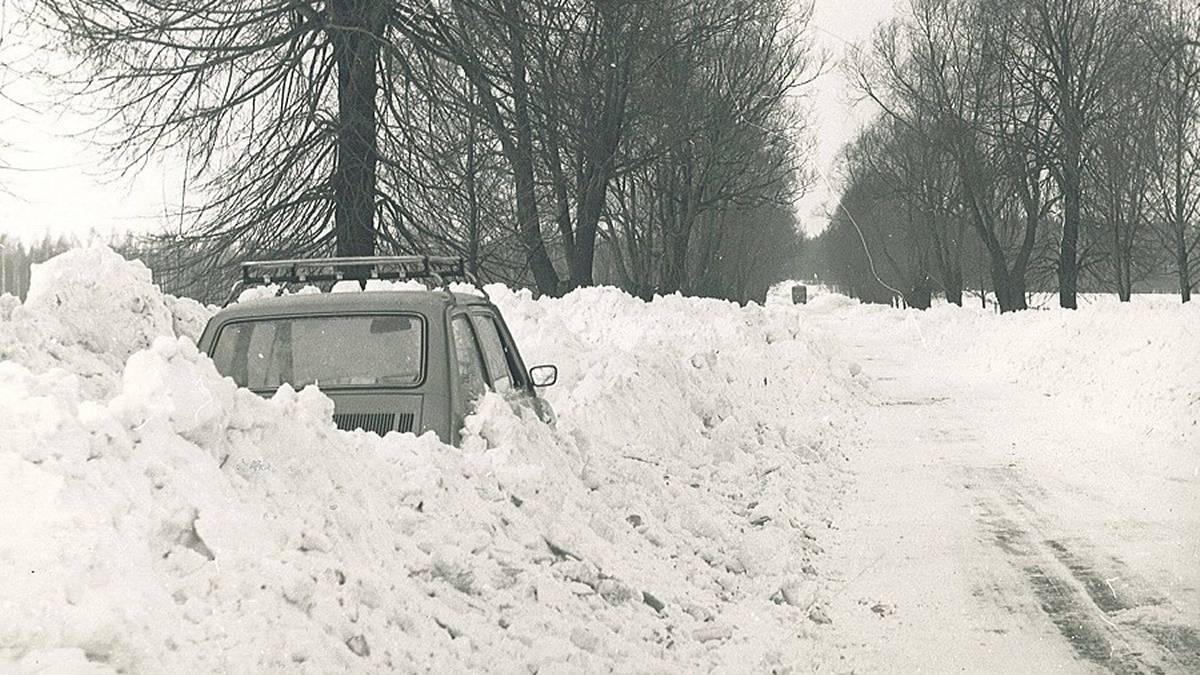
376	350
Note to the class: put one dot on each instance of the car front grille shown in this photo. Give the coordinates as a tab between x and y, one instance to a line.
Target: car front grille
379	423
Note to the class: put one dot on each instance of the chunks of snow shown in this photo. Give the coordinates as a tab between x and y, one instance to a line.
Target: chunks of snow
87	311
101	301
155	517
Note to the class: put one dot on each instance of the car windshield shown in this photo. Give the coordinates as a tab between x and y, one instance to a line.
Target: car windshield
329	351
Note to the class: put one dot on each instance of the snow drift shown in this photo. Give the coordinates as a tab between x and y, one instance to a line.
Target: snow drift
153	517
87	311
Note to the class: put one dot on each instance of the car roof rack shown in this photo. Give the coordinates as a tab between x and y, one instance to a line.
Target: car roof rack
438	269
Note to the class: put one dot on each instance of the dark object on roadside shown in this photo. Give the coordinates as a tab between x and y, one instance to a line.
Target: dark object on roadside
655	604
799	294
818	615
391	360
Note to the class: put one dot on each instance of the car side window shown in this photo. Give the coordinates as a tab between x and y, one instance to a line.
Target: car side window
494	354
470	364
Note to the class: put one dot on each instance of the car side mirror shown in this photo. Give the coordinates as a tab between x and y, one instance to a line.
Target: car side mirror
543	376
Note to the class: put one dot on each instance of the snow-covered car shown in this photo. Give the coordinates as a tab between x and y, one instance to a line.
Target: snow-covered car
391	360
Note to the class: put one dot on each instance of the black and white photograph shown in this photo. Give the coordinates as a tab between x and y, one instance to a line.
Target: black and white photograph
546	337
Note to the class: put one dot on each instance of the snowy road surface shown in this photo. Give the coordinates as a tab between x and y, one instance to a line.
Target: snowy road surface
993	528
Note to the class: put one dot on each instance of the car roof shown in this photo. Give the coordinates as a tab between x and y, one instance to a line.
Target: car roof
423	302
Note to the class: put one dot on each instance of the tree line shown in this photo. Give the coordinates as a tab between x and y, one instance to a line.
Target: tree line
1022	145
655	143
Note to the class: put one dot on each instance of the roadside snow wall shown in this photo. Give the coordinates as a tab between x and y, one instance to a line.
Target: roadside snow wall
87	311
155	518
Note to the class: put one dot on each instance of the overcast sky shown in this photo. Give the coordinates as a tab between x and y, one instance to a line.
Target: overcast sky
53	177
838	24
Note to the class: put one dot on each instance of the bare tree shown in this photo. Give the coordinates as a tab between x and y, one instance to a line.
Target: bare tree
495	128
1120	175
1176	174
1084	113
922	179
943	73
1068	53
891	211
489	41
275	104
873	246
588	62
444	183
715	132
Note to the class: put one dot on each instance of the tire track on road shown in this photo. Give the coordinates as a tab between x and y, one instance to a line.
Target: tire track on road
1093	600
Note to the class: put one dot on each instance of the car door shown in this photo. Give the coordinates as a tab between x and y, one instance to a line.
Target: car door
506	370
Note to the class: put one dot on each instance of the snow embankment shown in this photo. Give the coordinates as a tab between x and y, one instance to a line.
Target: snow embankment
153	517
87	311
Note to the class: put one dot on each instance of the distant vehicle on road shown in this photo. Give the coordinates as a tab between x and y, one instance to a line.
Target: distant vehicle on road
391	360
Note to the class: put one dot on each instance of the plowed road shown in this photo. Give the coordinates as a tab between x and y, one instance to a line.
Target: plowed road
992	529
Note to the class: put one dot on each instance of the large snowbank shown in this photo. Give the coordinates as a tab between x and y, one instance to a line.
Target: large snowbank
155	518
88	310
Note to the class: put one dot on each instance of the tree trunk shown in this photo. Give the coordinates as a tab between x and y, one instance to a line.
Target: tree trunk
1118	258
920	295
1016	293
530	231
602	134
1068	253
592	189
949	274
516	144
522	160
552	153
472	186
586	225
1178	213
954	288
354	34
677	225
674	255
1125	277
1002	284
1183	266
709	275
1009	286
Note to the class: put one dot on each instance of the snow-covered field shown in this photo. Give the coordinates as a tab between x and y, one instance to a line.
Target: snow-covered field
153	518
1134	365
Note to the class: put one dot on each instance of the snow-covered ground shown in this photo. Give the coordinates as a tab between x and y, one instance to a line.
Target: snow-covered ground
155	518
830	487
1029	496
